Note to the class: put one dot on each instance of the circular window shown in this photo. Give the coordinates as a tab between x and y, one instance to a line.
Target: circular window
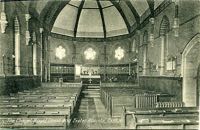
60	52
119	53
90	54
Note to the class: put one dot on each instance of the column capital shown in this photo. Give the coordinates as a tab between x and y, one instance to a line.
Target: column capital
27	17
41	30
138	32
152	20
74	41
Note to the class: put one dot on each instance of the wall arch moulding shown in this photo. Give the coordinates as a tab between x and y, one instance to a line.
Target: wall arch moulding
190	63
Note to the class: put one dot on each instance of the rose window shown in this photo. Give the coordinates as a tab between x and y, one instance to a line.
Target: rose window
60	52
90	54
119	53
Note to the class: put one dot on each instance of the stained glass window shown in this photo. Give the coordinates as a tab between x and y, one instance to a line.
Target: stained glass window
60	52
90	54
119	53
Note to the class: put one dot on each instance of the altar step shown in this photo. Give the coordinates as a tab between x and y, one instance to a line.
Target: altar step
85	84
92	96
93	87
91	91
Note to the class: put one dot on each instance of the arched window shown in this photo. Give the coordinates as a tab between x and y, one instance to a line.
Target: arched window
164	29
164	26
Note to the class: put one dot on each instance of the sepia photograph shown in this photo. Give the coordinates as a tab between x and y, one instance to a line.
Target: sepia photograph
99	64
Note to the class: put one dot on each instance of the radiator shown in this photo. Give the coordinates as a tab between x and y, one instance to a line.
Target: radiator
145	100
169	104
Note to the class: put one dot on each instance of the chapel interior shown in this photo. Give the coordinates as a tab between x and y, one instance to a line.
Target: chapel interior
99	64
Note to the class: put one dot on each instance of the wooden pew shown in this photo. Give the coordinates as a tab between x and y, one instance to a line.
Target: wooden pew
14	105
114	99
41	121
46	107
43	102
53	85
159	118
36	110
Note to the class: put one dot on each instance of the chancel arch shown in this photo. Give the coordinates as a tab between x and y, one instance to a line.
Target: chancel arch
190	72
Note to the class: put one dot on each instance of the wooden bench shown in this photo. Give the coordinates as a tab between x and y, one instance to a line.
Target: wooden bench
44	121
14	105
46	107
114	99
49	85
159	118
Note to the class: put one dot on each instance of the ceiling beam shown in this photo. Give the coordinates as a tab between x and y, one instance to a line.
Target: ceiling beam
116	4
151	6
51	12
102	17
57	12
133	10
46	10
78	16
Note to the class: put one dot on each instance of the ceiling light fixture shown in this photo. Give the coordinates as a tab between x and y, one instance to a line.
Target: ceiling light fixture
176	19
151	37
27	17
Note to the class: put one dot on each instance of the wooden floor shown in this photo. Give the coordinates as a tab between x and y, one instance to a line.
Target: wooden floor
93	115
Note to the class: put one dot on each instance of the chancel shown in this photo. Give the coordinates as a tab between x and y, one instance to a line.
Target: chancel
99	64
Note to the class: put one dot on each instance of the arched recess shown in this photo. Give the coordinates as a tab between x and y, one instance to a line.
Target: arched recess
190	71
145	49
164	29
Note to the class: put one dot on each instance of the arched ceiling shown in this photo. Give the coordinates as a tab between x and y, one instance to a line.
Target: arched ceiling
93	18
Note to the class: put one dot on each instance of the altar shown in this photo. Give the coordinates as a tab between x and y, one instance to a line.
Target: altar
90	76
90	79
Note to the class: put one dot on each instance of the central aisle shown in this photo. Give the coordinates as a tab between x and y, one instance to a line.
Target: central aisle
93	115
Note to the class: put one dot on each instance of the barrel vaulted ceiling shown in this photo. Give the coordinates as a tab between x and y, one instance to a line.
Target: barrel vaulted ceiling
93	18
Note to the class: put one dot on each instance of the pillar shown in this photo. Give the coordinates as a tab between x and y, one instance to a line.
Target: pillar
49	72
162	56
34	54
134	46
167	45
17	47
41	54
46	60
74	53
34	59
105	60
145	60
